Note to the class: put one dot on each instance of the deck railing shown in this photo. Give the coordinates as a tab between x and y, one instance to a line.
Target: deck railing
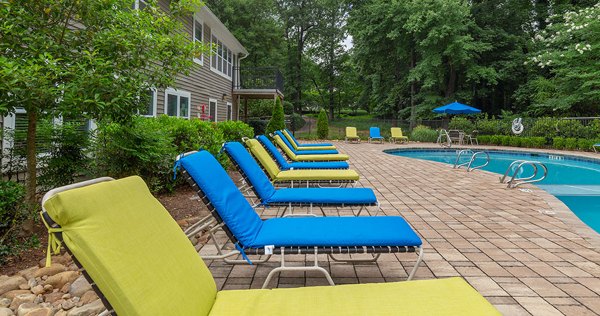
258	78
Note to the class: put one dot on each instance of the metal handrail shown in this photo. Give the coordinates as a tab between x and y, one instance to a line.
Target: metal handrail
448	142
487	161
515	182
456	163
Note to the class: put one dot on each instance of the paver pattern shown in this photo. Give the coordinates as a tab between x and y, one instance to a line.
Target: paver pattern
524	251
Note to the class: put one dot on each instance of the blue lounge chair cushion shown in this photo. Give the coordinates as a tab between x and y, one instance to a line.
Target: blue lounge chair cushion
257	177
349	196
375	133
285	165
336	231
305	152
305	145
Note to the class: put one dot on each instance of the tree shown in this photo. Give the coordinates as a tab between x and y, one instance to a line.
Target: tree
95	59
322	125
277	121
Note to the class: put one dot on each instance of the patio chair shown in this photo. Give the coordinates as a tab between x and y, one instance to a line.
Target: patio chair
140	263
351	135
595	147
456	136
305	151
293	157
238	153
396	133
285	165
298	146
472	138
375	135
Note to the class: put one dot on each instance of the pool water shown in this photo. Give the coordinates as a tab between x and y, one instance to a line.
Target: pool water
573	180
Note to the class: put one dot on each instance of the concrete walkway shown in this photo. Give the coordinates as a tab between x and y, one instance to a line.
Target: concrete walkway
500	240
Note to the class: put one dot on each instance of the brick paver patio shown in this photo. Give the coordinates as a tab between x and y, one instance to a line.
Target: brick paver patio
524	251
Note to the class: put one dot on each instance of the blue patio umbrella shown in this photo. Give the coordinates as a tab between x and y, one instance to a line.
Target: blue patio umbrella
456	108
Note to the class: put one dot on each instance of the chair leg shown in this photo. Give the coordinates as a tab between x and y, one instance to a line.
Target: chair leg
416	266
282	267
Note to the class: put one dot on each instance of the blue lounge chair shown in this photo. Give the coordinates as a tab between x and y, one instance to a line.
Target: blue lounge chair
285	165
291	136
595	147
375	135
304	152
292	235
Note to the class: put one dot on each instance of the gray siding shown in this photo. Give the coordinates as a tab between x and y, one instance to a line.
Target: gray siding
201	82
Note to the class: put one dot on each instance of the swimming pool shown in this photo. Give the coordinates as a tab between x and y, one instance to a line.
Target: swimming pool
573	180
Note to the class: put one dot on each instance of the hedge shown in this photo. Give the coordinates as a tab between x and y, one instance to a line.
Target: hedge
562	143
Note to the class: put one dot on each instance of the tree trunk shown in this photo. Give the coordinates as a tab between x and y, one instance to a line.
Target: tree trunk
413	107
31	187
451	82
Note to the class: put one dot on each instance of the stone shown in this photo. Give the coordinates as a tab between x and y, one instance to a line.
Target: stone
5	302
39	299
68	304
14	293
79	286
11	283
41	311
28	273
6	311
24	286
61	313
38	289
48	288
93	308
66	296
26	308
88	297
32	283
60	279
22	299
53	297
65	288
51	270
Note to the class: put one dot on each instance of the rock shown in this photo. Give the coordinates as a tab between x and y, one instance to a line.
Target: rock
68	304
66	296
53	297
79	286
60	279
5	302
32	283
93	308
24	286
48	288
26	308
22	299
88	297
38	289
65	288
41	311
61	313
51	270
39	299
6	311
11	283
28	273
12	294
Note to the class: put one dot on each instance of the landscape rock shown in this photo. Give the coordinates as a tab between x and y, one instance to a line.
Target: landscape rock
41	311
32	283
53	297
93	308
11	294
39	299
22	299
38	289
68	304
28	273
60	279
48	288
88	297
11	283
51	270
5	302
79	286
6	311
26	308
61	313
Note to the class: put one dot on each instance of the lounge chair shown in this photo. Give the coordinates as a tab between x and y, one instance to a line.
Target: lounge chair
140	263
397	135
238	153
298	146
287	150
306	151
351	135
472	138
375	135
595	147
285	165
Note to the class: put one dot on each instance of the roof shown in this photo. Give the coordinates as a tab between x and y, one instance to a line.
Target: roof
225	36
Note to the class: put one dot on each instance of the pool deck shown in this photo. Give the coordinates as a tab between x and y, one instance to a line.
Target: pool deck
526	252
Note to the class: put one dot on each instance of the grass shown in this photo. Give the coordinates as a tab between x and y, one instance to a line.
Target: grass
337	127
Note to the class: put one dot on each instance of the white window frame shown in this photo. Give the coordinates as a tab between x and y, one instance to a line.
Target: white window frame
214	119
220	59
229	111
136	5
9	123
195	20
178	93
154	103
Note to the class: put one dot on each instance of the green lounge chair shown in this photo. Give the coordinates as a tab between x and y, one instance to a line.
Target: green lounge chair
293	157
351	135
397	135
298	146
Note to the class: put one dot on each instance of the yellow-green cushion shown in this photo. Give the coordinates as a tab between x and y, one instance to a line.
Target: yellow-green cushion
293	142
141	271
441	297
317	174
294	157
263	157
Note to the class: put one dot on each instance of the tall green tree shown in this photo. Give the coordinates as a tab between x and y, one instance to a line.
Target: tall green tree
88	58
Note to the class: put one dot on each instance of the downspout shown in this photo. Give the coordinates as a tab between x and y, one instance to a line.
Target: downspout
239	79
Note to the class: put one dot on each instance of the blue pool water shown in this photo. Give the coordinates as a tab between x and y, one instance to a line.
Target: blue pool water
573	180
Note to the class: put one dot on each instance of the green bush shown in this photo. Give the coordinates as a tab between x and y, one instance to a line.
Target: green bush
210	138
505	140
235	130
571	143
584	144
572	129
526	142
484	139
12	214
461	123
496	140
277	121
185	136
558	143
297	122
259	126
538	142
423	133
544	127
515	141
322	125
488	126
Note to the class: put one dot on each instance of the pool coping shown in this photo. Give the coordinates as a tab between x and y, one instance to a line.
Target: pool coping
561	211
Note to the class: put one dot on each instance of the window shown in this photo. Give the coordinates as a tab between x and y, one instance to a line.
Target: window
222	59
177	103
212	109
140	4
17	124
198	37
229	111
151	106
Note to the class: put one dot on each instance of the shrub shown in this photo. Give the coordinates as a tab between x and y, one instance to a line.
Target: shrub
423	133
488	127
515	141
259	126
544	127
571	143
505	140
572	129
12	215
277	121
235	130
461	123
297	122
538	142
585	144
496	140
322	125
558	143
484	139
210	138
184	135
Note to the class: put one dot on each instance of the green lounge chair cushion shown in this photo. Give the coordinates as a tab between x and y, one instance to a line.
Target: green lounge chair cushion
294	157
306	146
440	297
106	228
